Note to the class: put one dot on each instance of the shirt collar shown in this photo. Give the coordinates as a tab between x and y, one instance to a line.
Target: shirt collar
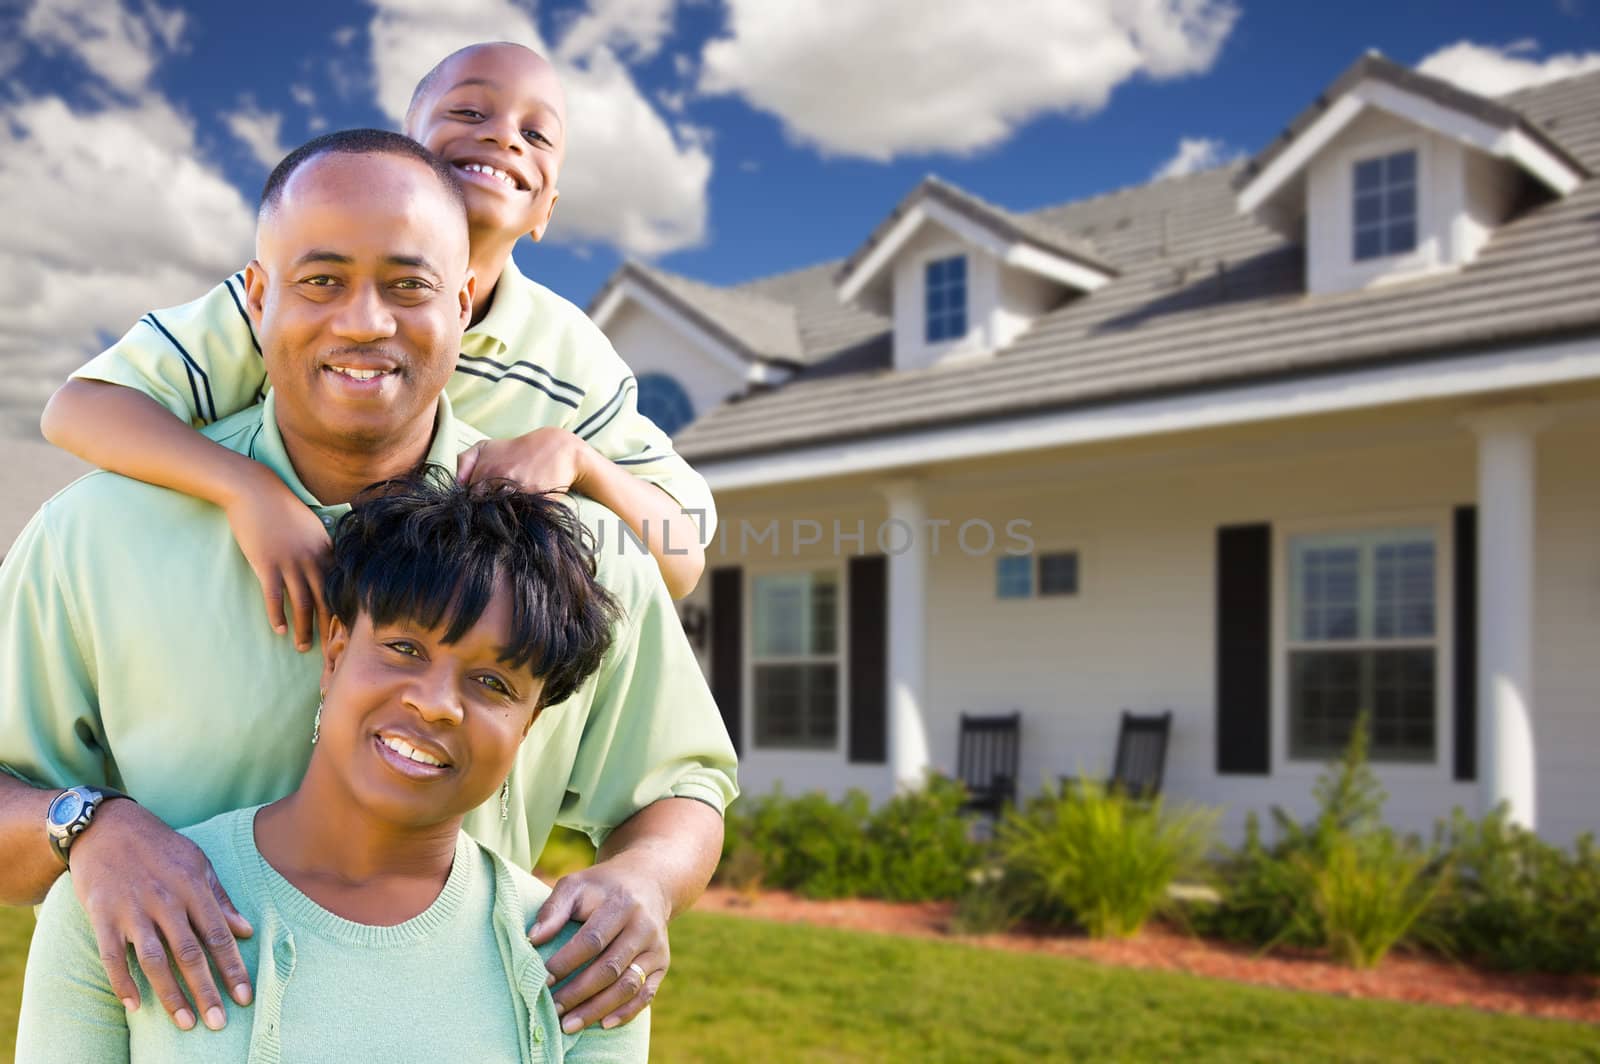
268	449
509	310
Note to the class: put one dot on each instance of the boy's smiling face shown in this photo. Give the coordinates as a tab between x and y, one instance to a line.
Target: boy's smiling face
497	115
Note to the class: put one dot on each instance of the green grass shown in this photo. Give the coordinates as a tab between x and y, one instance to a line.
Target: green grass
743	990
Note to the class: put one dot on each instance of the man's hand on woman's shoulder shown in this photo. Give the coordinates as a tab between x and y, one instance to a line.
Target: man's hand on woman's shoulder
146	886
624	912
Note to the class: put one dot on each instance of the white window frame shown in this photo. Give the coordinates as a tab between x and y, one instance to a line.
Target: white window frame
1385	222
1438	520
839	658
1356	273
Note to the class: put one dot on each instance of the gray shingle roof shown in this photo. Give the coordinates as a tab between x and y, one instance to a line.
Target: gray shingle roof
1206	297
751	324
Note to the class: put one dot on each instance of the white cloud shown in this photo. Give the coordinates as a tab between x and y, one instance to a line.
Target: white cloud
258	130
120	46
882	79
633	27
136	222
1494	71
629	179
1194	154
303	94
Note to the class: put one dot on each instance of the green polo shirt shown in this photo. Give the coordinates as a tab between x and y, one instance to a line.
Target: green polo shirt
136	654
534	361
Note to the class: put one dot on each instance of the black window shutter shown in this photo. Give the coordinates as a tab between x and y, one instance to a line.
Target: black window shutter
1244	649
727	648
869	660
1466	643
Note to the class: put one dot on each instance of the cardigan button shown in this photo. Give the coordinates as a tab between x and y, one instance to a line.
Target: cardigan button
538	1034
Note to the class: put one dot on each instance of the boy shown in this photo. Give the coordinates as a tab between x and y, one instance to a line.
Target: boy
535	374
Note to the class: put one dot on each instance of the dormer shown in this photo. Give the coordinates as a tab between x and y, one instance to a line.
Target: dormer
1392	175
692	346
960	278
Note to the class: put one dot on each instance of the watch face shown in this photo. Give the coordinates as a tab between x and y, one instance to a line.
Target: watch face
65	809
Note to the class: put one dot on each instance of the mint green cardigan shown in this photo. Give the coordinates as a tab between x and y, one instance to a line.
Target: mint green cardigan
458	982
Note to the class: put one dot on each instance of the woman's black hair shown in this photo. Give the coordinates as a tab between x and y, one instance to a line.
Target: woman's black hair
425	549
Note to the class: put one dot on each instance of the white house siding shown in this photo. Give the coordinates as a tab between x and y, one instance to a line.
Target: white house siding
648	345
1141	632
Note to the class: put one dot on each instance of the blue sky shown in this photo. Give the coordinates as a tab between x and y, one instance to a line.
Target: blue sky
724	140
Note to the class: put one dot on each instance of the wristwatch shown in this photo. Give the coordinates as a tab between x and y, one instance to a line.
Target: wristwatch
70	814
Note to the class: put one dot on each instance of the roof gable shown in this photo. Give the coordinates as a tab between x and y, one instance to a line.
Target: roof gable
1018	241
1428	102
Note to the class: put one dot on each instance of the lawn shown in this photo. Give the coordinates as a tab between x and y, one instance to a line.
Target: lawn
743	990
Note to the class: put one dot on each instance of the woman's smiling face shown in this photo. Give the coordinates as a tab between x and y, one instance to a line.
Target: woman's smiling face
418	729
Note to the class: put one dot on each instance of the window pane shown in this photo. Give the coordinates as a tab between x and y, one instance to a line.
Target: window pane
1369	244
1401	203
936	273
1324	699
779	614
1369	209
824	614
1058	573
956	269
1404	592
1402	167
1369	175
1328	689
936	301
1402	237
958	323
797	706
1329	589
1014	576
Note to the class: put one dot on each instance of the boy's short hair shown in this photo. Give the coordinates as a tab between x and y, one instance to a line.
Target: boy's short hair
426	549
360	142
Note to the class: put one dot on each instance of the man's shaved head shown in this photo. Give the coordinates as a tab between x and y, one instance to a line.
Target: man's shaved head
433	80
358	142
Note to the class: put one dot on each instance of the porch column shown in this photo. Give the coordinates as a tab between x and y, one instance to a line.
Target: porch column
903	538
1506	457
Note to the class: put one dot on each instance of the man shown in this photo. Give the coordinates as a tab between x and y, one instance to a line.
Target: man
133	656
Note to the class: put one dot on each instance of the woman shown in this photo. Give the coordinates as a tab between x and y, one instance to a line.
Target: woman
382	931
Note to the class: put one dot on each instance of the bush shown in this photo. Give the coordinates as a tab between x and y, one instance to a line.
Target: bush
919	842
913	848
1516	901
1343	881
1097	859
1366	893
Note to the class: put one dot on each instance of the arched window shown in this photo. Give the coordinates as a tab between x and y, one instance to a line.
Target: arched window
663	400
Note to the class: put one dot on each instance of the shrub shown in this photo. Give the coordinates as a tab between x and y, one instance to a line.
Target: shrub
1343	880
1098	859
1516	901
920	844
913	848
1366	892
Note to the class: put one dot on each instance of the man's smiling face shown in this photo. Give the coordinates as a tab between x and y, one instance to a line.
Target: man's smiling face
361	289
497	115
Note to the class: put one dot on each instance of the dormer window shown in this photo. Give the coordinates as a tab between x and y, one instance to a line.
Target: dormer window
1385	209
663	400
945	299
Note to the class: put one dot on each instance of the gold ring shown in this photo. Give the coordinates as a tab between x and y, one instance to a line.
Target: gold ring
635	966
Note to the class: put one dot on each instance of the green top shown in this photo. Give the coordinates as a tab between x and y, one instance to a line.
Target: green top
534	361
135	655
459	981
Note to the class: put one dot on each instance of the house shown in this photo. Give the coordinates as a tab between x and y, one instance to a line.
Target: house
1267	445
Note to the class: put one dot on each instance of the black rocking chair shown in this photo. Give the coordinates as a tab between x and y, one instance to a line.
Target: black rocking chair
987	760
1141	759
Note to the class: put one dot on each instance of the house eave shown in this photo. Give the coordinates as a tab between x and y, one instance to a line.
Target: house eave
1445	376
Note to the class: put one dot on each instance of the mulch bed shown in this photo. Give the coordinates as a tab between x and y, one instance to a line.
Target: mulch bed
1400	977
